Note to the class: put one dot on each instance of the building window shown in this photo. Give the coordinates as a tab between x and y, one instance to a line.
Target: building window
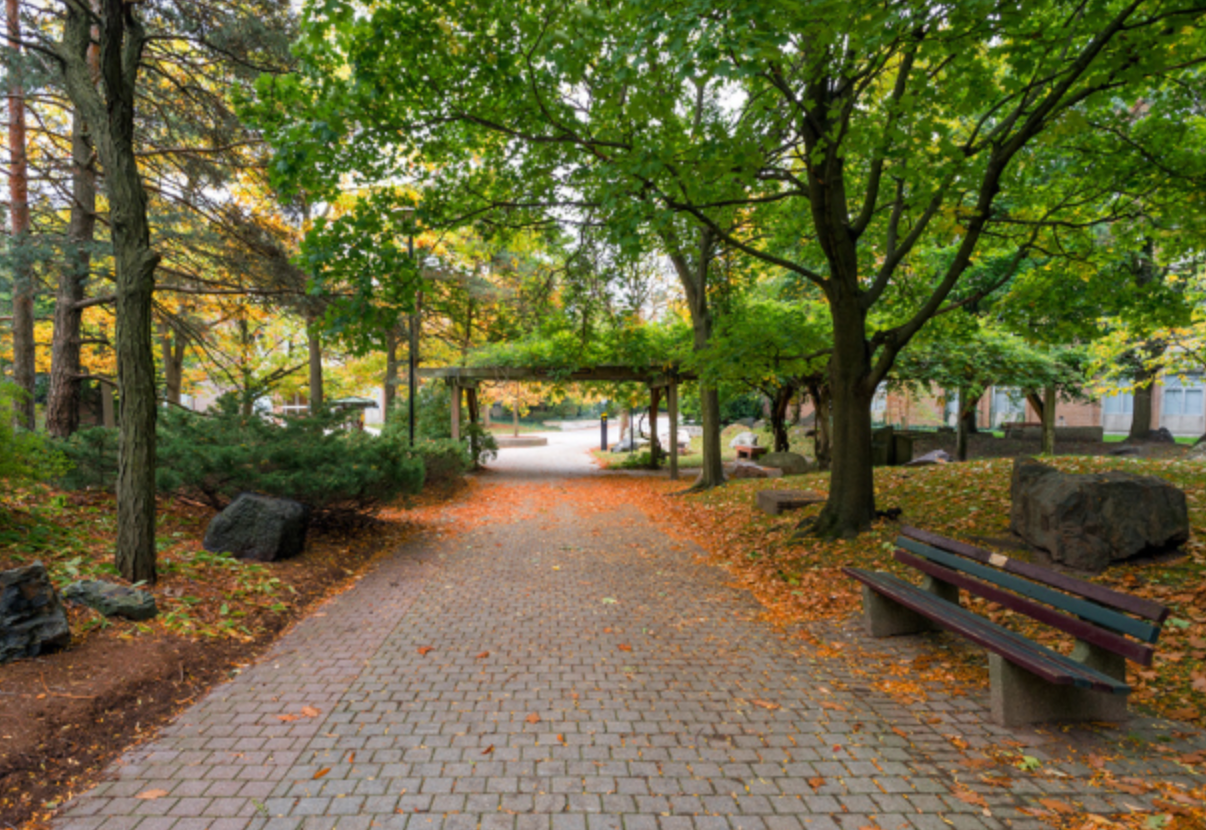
1119	403
879	404
1184	397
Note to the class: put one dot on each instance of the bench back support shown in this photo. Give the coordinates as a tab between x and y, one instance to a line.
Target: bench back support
1128	603
1081	630
1085	609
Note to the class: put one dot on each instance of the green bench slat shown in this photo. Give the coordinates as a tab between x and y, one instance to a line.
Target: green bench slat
1040	660
1073	605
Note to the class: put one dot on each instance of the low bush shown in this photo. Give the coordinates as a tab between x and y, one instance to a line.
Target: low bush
92	452
25	457
433	435
344	476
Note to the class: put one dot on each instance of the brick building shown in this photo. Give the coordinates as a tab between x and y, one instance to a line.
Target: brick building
1179	405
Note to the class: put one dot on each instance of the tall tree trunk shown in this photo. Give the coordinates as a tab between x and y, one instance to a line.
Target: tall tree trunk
109	112
314	345
63	402
18	187
1141	419
389	391
969	418
850	508
515	412
1048	446
173	347
819	391
778	416
961	430
693	275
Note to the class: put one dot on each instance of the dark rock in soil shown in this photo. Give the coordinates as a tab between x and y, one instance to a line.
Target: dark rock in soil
112	600
32	619
1090	522
1159	436
1126	449
260	528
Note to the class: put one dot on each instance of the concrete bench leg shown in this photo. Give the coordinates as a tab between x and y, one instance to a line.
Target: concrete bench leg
1019	697
883	617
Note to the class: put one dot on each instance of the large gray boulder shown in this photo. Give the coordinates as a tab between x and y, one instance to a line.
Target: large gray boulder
112	600
744	439
1091	521
32	619
260	528
791	463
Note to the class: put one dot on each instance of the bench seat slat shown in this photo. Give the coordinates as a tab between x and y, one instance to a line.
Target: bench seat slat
1035	658
1131	604
1073	605
1131	650
1039	660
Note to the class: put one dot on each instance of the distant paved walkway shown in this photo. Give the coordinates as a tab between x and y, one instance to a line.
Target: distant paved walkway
584	673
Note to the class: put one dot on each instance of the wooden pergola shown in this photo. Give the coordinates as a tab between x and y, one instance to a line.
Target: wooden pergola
467	378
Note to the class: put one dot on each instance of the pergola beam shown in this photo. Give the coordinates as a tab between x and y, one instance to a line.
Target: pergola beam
466	375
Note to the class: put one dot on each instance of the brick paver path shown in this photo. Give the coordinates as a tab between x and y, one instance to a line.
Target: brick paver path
584	673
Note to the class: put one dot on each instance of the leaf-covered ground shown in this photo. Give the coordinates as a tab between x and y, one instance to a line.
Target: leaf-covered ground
802	581
64	716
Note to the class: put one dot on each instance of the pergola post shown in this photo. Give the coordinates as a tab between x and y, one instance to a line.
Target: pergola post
471	403
672	413
456	410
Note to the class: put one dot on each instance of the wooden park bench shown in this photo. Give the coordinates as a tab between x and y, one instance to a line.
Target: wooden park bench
1030	682
750	452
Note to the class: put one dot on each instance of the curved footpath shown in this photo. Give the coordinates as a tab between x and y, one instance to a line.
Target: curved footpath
571	670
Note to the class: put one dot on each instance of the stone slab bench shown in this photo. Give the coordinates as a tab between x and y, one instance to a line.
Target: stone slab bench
775	502
751	452
1030	682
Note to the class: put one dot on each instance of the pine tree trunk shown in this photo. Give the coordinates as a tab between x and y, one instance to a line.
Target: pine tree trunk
850	508
111	120
63	401
18	186
314	345
172	347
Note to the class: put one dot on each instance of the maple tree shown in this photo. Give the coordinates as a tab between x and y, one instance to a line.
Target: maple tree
669	119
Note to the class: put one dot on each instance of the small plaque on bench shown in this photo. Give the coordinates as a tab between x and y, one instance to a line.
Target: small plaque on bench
775	502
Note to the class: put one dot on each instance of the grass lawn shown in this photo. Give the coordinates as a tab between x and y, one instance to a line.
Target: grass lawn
506	428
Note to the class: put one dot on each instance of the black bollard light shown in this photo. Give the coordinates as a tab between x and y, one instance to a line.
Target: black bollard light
603	431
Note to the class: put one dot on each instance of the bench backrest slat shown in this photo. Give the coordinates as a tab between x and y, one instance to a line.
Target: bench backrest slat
1073	605
1090	633
1129	603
